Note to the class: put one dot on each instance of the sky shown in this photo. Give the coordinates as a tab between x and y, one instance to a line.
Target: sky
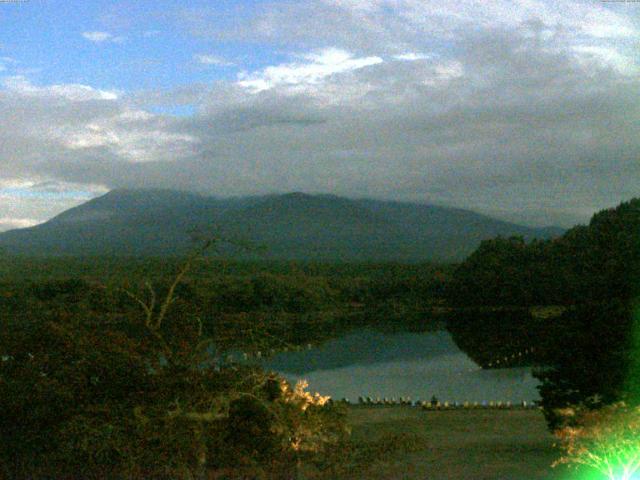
528	110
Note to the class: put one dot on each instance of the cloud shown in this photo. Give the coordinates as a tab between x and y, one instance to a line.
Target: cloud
207	59
398	26
315	68
505	107
9	223
133	136
21	86
26	203
607	57
102	37
411	56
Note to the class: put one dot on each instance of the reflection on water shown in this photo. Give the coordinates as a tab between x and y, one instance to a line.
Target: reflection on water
419	365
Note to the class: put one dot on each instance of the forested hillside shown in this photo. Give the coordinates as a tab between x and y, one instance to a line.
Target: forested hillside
587	264
589	279
293	226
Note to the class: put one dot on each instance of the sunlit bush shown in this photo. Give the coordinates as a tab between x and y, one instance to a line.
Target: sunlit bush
606	440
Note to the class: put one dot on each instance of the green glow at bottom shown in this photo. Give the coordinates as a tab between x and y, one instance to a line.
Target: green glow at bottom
594	475
621	451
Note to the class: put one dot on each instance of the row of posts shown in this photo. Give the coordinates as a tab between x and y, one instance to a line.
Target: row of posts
437	405
513	356
259	354
244	356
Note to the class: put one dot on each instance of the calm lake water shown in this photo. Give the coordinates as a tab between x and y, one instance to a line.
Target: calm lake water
419	365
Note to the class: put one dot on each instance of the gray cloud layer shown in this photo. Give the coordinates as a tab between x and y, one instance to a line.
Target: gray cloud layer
529	114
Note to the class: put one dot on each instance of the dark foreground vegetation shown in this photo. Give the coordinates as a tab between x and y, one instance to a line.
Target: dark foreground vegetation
115	368
242	305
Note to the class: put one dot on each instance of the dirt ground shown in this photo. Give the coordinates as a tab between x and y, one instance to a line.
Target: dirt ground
459	444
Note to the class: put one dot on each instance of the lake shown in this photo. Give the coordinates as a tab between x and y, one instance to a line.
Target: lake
406	364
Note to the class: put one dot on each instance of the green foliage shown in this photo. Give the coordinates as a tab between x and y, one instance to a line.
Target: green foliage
592	263
140	396
591	359
587	351
505	272
605	440
247	306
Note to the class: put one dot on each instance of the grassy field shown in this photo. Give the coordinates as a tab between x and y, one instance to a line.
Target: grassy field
458	444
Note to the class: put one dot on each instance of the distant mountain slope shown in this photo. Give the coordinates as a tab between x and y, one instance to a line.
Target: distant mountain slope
291	226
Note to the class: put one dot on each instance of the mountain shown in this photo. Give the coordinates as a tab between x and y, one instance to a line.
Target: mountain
292	226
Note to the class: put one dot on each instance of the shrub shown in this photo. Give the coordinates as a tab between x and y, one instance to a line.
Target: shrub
606	440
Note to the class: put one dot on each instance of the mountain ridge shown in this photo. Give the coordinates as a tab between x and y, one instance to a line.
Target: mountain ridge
292	226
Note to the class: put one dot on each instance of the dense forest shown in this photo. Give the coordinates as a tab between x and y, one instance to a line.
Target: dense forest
588	264
288	303
588	280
